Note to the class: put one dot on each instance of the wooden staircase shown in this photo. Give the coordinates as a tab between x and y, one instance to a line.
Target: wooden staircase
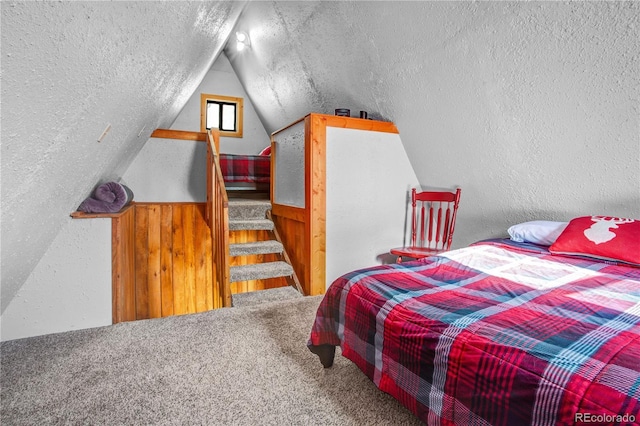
258	259
177	258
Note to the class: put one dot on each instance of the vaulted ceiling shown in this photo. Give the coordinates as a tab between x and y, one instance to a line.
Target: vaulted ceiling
530	107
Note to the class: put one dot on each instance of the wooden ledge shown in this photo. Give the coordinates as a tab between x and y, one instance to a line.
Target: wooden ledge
83	215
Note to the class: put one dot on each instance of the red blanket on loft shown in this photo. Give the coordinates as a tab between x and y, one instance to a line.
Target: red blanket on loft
494	334
245	168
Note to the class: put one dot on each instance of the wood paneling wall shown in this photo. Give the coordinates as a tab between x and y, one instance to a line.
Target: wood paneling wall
292	227
162	261
172	260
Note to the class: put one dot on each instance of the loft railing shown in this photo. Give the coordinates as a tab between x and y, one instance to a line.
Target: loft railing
218	219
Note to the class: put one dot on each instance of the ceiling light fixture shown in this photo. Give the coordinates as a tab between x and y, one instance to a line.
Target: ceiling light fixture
242	41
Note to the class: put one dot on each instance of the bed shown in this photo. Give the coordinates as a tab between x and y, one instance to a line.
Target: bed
497	333
246	172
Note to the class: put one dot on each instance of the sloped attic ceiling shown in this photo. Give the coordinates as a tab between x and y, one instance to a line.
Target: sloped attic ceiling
530	107
69	70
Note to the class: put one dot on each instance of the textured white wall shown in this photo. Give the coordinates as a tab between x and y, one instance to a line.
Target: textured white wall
175	170
530	107
70	287
68	70
168	170
222	80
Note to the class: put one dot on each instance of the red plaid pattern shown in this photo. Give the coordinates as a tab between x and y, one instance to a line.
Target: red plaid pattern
245	168
498	333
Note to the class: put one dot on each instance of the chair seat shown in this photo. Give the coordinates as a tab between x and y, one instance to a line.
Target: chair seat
415	252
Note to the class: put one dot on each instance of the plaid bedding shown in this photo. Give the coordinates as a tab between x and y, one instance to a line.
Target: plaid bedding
245	168
494	334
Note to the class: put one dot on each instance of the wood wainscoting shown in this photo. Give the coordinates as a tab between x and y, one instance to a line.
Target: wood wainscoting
172	267
161	261
173	274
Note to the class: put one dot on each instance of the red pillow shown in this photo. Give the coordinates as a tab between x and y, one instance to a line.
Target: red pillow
266	151
602	237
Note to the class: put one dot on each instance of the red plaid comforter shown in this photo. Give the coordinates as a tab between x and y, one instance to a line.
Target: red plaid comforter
245	168
494	334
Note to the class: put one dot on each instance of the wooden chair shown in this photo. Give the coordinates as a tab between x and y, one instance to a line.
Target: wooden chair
433	219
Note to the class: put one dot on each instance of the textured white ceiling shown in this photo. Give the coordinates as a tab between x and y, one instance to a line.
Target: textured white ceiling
530	107
319	56
70	69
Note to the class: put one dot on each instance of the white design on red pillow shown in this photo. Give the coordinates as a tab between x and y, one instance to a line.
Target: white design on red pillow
600	230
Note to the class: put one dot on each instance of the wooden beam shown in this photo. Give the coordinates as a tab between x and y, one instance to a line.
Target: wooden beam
179	134
357	123
316	177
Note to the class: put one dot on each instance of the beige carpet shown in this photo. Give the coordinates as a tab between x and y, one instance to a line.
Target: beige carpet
235	366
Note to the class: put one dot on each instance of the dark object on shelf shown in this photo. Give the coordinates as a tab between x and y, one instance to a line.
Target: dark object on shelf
343	112
363	114
110	197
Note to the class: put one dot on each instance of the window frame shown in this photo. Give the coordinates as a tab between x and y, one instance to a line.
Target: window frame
239	104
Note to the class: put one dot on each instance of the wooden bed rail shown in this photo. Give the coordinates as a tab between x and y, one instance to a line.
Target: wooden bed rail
218	219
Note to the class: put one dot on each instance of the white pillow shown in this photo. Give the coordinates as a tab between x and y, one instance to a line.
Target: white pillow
541	232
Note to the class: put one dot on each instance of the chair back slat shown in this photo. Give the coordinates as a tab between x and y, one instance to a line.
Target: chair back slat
430	224
439	226
447	222
423	217
414	217
433	221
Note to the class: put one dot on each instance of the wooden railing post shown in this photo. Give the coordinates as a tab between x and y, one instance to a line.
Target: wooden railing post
218	218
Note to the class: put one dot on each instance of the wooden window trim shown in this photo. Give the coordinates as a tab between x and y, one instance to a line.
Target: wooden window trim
204	97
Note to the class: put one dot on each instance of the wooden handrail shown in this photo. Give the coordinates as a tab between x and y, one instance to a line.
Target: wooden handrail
218	219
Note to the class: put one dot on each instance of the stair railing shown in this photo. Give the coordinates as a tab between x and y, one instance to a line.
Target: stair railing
218	219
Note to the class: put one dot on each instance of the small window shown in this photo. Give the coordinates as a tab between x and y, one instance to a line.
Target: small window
221	112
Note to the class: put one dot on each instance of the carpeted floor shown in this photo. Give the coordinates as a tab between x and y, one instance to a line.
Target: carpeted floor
237	366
